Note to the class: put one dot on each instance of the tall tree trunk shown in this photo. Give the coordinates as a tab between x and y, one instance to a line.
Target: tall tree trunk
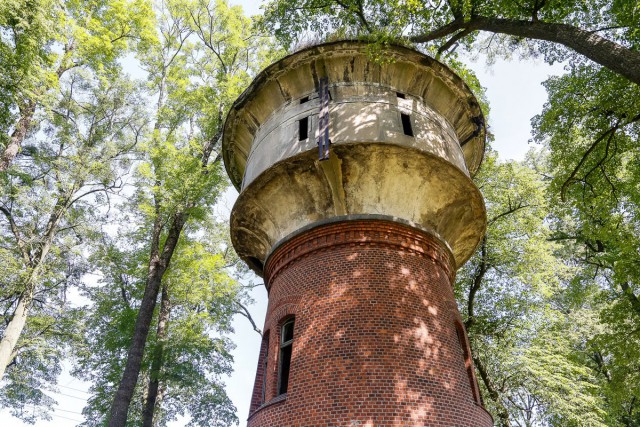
14	329
159	262
17	137
605	52
157	361
476	284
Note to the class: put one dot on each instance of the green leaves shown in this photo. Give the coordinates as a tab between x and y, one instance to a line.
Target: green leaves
52	200
592	125
44	39
196	352
527	341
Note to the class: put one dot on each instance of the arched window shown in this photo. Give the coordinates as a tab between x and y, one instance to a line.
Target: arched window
286	350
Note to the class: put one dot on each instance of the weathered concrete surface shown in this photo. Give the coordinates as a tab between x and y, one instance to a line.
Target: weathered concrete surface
374	168
346	63
358	112
365	178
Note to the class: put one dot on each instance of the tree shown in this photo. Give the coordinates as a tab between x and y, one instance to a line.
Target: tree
203	58
43	40
592	125
50	200
523	342
189	352
62	99
606	32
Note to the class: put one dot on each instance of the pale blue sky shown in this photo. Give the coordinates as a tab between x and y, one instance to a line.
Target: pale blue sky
515	95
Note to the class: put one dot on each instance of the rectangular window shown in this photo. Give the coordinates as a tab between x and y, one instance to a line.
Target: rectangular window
406	124
286	350
303	100
400	95
303	129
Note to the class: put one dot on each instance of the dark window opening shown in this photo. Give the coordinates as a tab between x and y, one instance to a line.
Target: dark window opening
468	362
286	349
303	129
265	363
406	124
401	95
303	100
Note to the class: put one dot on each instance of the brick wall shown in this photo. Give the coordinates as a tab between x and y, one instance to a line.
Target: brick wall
375	341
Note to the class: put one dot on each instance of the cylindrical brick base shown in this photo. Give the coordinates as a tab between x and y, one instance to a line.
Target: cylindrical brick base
378	339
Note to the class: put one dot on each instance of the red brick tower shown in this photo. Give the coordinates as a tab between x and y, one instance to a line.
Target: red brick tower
358	242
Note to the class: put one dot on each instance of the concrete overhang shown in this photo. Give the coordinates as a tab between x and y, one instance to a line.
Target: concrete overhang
376	169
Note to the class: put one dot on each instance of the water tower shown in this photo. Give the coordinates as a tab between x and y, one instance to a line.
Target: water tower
356	206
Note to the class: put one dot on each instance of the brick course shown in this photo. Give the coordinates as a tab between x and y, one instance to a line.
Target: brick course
375	341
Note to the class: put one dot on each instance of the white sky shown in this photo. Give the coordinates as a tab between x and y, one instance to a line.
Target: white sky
515	95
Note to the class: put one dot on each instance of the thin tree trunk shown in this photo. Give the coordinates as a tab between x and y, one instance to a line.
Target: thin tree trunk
18	320
605	52
157	361
27	111
17	137
476	284
159	262
503	414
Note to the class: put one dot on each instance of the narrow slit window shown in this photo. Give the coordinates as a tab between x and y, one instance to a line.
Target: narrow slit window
303	100
406	124
303	129
265	365
401	95
468	362
286	349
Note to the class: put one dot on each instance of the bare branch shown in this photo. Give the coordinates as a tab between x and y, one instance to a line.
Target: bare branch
608	135
243	311
511	210
453	40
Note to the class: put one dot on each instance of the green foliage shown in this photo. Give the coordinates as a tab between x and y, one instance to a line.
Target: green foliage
200	60
197	351
404	21
592	125
27	31
42	40
528	348
52	201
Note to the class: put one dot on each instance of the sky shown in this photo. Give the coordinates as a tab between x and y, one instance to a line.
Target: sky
515	95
